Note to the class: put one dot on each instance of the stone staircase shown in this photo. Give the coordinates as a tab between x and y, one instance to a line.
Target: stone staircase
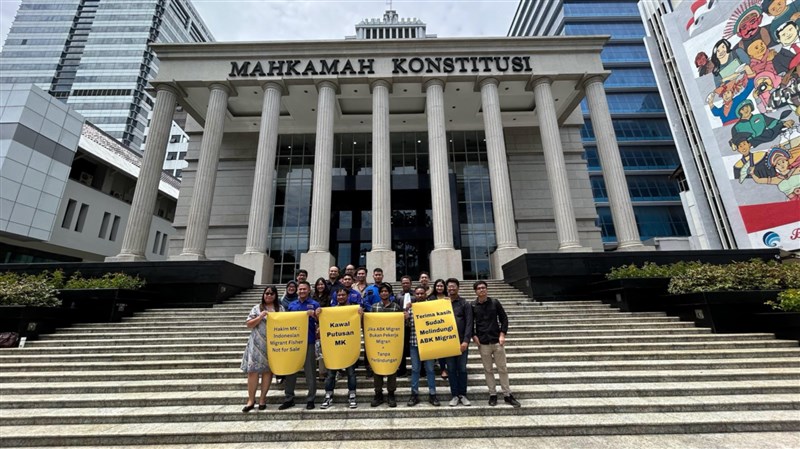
582	370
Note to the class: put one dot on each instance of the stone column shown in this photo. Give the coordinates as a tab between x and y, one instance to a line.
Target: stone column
502	205
445	259
255	254
381	255
619	199
194	245
563	212
318	258
137	230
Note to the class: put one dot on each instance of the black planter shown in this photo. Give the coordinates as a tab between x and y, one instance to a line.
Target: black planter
785	325
723	312
107	305
632	294
29	321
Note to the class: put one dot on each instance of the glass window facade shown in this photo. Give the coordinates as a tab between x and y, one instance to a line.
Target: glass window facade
617	30
665	221
638	158
631	103
351	204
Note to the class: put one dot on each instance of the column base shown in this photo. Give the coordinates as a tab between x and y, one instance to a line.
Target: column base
261	263
446	263
126	258
385	260
633	246
188	257
317	264
502	256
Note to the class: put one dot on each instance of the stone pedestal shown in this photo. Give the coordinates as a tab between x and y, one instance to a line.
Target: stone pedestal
261	263
385	260
317	264
446	263
502	256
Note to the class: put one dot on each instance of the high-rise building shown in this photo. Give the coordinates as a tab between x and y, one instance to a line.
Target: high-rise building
95	55
640	123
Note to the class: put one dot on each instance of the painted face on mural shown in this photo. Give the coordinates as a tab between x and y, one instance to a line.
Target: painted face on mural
776	8
757	49
781	164
722	53
743	148
746	112
700	60
748	26
788	34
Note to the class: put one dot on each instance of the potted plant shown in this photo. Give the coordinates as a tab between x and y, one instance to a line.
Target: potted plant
29	304
725	297
784	320
633	288
104	299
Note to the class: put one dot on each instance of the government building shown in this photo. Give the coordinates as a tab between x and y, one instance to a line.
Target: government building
392	149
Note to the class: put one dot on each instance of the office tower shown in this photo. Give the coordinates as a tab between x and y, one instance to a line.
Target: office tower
643	132
95	56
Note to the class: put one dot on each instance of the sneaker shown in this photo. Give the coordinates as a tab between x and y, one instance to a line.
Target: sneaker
352	401
465	401
434	400
493	400
391	400
414	400
454	401
310	405
512	402
377	400
327	402
287	404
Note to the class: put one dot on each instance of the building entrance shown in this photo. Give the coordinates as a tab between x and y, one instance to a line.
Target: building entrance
412	224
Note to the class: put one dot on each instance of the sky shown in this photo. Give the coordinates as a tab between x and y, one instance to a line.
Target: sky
265	20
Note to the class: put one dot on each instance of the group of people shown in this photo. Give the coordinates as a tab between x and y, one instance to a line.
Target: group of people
483	322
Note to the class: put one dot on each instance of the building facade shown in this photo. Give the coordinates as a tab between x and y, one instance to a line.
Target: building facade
66	186
647	147
731	70
95	56
452	156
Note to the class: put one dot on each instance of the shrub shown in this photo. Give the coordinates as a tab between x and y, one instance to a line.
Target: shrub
109	280
28	290
650	270
737	276
788	301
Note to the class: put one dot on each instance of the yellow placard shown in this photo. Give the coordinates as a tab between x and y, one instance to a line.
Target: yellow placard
383	341
340	336
287	342
435	326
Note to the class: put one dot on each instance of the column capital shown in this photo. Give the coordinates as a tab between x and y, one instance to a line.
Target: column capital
537	80
225	87
486	81
594	78
172	88
433	82
327	83
382	82
276	85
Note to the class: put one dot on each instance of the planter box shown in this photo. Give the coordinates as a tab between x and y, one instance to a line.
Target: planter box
632	294
30	321
107	305
723	312
784	325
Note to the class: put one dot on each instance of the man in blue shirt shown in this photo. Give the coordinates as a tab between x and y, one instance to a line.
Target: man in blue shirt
304	303
353	296
372	297
342	299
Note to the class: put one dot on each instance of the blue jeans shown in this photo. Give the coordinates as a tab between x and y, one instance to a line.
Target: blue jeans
415	370
457	373
330	379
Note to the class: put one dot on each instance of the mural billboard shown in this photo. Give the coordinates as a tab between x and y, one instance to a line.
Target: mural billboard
740	66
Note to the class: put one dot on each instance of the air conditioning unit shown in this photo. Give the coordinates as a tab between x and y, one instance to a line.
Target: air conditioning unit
85	178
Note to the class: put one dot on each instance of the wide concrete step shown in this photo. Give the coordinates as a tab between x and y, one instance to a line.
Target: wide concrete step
519	380
231	348
404	429
241	315
241	338
190	369
340	411
777	348
730	440
59	339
